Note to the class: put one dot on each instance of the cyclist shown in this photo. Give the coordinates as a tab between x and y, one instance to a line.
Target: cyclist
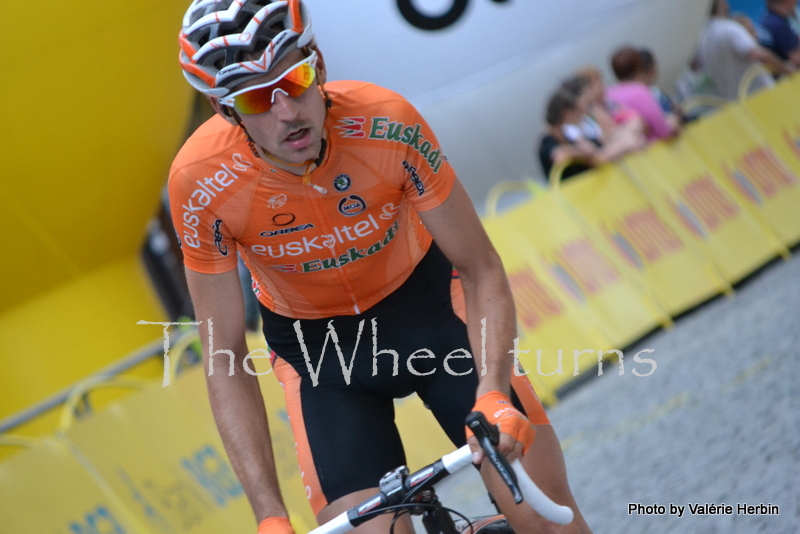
351	221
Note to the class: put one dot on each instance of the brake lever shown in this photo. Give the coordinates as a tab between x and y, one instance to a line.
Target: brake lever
488	437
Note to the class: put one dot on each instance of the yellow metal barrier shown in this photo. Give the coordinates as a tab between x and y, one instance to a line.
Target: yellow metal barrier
754	71
526	185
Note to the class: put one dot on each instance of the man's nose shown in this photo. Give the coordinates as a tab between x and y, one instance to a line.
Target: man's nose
284	106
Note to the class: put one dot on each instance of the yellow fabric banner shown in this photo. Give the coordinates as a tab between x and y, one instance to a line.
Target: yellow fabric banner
163	462
586	270
548	321
44	489
678	274
569	294
673	175
778	115
746	165
191	385
424	440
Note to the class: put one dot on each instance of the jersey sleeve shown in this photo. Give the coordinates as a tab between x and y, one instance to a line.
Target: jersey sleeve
426	176
741	41
207	245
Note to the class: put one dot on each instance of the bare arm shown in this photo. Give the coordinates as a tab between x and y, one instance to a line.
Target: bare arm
459	233
794	58
236	400
771	60
582	150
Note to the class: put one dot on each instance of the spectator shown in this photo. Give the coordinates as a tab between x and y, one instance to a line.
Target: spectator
727	50
587	127
583	153
651	75
602	120
747	22
633	92
782	38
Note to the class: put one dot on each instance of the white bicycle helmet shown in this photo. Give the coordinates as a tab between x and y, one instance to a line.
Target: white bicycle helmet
218	35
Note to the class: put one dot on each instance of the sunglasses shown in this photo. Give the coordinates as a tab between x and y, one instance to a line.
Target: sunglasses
259	98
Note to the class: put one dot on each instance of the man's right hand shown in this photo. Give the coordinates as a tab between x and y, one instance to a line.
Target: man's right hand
275	525
516	431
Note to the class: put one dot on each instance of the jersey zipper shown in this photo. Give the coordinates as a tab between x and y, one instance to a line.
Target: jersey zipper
314	199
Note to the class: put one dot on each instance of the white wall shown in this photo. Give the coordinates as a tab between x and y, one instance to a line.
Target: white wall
483	82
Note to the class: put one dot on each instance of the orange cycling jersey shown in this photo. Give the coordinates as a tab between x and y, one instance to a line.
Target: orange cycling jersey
334	246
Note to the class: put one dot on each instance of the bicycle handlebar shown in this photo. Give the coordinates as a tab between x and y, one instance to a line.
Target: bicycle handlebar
514	475
540	502
530	491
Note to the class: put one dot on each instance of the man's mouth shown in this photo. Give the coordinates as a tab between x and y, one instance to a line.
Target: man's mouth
297	135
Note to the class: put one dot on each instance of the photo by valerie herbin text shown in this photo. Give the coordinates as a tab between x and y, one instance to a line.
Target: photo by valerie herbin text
680	510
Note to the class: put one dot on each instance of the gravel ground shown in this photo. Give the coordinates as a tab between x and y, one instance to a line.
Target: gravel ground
718	422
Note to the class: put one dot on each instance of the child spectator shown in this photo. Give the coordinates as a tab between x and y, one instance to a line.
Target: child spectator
588	127
582	152
633	92
607	113
650	77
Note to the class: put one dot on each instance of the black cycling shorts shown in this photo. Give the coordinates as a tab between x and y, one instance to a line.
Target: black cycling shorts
345	433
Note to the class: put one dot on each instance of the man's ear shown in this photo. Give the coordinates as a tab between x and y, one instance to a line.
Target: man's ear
322	72
223	111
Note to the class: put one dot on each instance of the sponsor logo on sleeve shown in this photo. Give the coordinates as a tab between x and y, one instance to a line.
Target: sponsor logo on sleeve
415	179
384	129
208	189
218	237
352	205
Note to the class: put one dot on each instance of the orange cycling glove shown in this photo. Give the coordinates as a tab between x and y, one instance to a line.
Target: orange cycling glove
499	411
275	525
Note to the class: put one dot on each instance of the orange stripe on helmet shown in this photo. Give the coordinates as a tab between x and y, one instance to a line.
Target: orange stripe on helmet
297	19
191	68
186	46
